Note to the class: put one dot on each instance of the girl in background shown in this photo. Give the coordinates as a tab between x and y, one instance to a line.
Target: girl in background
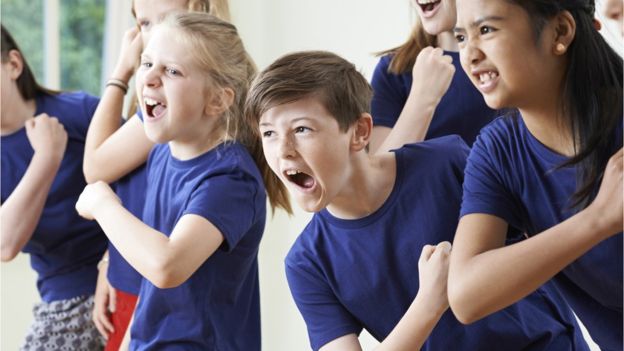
205	204
41	181
552	169
118	283
419	87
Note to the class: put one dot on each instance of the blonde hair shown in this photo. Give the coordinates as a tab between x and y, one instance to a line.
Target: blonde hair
405	54
217	8
219	51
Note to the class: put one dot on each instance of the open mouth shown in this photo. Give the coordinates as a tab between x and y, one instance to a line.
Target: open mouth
153	108
487	80
428	6
301	179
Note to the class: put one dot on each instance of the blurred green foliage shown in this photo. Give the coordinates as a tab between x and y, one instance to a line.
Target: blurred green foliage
81	39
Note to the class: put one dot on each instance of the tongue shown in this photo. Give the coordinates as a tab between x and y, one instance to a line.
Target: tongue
307	182
158	110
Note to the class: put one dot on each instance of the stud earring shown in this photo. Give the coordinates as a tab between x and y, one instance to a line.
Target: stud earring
560	48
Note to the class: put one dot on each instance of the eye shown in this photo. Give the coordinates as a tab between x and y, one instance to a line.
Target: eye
460	38
486	29
172	71
268	134
302	129
144	24
146	64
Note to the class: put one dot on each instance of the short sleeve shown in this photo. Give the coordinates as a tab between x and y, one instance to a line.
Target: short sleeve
324	315
485	190
229	201
388	96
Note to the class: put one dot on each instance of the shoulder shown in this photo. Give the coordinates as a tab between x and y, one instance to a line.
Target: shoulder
305	250
435	151
77	99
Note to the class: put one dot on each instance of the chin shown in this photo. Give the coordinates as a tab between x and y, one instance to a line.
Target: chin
309	206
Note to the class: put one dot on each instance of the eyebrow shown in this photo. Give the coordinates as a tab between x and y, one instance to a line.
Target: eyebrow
479	21
267	124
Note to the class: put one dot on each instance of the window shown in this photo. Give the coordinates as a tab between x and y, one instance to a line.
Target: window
72	28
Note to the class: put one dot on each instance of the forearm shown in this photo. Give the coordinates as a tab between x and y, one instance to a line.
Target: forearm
20	213
414	327
106	121
146	249
412	124
487	282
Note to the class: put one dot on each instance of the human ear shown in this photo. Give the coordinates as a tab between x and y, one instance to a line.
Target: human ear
219	102
565	30
361	132
15	63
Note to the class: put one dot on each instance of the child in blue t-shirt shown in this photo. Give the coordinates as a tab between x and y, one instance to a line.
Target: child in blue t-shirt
41	181
118	283
420	88
356	265
547	169
205	205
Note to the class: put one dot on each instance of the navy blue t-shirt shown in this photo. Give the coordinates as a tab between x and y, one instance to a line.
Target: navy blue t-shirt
64	248
461	111
346	275
131	191
511	175
218	307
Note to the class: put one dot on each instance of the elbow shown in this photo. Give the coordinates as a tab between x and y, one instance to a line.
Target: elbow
464	307
7	254
165	276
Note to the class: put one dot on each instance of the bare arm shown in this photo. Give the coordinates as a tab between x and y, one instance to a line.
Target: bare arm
423	314
20	213
111	152
486	276
165	261
432	75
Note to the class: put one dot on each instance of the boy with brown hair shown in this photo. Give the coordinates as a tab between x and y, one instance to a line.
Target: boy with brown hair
356	264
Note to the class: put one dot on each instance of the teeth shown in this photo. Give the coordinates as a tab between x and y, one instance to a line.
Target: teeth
425	2
487	76
292	172
151	102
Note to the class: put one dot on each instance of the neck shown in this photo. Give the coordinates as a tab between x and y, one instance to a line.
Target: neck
550	128
446	41
368	185
14	114
197	144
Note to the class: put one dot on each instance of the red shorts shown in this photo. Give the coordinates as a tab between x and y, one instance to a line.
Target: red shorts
121	318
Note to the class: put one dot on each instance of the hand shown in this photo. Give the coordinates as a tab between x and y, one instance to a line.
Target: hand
607	205
433	275
104	302
47	136
129	54
94	195
432	74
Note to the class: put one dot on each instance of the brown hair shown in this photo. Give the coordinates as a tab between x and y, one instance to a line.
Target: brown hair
342	90
405	55
26	83
220	52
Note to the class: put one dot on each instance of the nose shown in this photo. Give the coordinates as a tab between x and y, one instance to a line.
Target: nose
151	78
286	147
471	54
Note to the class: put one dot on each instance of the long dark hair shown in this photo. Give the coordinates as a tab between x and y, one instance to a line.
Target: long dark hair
591	95
26	83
